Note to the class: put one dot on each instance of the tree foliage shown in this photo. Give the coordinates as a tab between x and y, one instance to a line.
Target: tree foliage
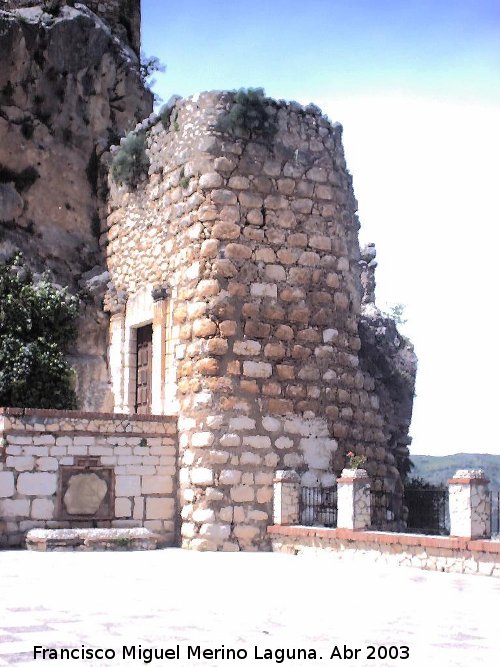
37	323
248	114
130	161
147	67
397	313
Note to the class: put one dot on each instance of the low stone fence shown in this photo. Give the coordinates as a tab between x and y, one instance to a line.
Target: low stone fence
76	470
444	554
467	551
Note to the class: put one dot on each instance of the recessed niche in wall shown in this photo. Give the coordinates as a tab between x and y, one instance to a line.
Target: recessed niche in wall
86	490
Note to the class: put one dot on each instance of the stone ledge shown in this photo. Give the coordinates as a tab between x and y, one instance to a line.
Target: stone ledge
468	481
439	542
77	414
93	539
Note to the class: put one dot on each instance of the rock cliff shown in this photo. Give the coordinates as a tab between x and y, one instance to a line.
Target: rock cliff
69	87
390	360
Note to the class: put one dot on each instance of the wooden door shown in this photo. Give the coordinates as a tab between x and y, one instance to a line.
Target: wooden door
144	369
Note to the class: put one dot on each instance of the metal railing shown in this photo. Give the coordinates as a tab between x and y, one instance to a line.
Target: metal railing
318	506
386	509
428	510
420	510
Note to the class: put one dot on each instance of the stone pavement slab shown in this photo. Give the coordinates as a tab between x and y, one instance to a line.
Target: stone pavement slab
173	599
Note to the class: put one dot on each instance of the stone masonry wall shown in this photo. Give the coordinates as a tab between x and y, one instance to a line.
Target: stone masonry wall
34	444
441	554
256	241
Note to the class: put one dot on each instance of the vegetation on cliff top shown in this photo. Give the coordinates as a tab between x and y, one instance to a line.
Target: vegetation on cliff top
130	161
37	324
248	114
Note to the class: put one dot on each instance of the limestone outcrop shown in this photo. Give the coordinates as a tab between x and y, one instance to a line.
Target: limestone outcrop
390	359
68	88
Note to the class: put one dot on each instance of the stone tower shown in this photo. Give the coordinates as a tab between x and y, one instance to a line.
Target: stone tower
123	16
236	285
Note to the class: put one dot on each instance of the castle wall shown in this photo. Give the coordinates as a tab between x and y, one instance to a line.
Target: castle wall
255	241
124	16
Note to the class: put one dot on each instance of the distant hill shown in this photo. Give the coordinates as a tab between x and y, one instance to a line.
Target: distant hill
439	469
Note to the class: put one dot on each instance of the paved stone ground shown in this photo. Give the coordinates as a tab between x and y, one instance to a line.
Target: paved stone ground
166	598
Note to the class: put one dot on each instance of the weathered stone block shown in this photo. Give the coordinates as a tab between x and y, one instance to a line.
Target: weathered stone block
226	230
257	369
128	485
224	197
14	508
154	484
203	515
202	439
264	290
123	508
229	477
257	329
210	180
209	248
249	458
227	328
242	494
207	288
204	328
37	483
246	347
232	439
7	486
218	532
202	476
160	508
42	508
246	533
257	441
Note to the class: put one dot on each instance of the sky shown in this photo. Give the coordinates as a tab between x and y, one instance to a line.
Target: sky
416	86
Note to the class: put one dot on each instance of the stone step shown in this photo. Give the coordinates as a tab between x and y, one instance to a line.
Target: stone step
93	539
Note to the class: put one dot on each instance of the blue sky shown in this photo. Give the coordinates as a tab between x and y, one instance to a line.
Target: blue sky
416	86
291	48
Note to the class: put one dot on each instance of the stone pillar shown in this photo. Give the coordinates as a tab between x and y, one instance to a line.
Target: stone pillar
353	500
117	359
470	505
286	498
160	310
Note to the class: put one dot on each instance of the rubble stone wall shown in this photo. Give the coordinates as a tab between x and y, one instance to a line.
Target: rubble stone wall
36	444
255	240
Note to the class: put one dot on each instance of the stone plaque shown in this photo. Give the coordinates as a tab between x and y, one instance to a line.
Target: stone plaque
86	491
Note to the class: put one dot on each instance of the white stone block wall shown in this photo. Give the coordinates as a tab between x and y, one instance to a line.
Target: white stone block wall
470	505
142	453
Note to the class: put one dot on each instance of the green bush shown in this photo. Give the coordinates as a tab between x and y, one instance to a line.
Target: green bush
248	114
37	323
130	161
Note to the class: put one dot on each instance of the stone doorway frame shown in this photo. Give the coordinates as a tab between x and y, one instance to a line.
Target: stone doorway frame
148	306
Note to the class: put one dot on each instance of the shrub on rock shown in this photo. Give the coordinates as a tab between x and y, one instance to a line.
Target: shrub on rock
37	324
